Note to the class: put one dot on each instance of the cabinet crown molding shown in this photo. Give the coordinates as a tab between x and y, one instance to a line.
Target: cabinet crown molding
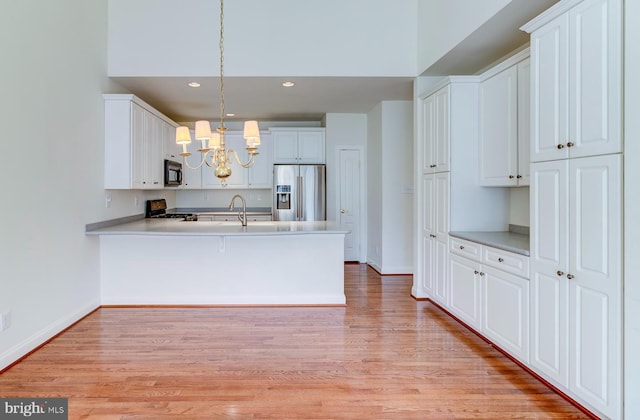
448	80
505	64
549	14
128	97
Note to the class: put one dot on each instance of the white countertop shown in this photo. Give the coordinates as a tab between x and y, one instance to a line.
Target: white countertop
508	241
178	227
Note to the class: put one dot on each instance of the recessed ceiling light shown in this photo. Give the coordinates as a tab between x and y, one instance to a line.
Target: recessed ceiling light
288	84
230	114
194	84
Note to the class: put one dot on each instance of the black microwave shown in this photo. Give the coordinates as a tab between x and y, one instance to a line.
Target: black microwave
172	173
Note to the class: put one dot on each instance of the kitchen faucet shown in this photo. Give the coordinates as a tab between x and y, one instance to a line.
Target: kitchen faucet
242	215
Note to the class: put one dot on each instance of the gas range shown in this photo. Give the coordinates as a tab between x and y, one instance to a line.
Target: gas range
157	209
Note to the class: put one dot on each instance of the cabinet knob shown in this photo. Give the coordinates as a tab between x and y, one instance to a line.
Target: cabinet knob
519	176
560	273
461	247
500	259
511	176
481	273
570	144
560	146
569	276
343	211
476	272
432	166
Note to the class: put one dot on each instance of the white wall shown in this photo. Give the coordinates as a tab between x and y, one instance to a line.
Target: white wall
390	187
631	211
519	206
222	197
53	74
444	24
263	38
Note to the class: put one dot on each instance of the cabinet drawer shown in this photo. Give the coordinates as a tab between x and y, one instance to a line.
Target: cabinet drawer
465	248
506	261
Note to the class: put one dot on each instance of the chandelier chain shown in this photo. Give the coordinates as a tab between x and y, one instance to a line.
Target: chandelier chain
222	64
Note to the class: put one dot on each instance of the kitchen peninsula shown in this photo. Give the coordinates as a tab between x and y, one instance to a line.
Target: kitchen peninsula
176	262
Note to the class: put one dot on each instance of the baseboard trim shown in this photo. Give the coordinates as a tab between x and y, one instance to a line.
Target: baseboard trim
20	351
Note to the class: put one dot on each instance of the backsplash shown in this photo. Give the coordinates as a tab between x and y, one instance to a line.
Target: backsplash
222	198
519	206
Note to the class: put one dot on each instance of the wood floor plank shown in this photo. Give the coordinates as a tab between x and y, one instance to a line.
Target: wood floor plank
382	356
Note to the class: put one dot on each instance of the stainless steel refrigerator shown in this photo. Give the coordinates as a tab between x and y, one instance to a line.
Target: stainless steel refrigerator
299	192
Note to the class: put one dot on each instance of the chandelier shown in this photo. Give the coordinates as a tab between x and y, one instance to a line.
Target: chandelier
213	147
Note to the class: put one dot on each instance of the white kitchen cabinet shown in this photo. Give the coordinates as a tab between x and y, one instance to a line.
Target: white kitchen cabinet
576	80
504	125
298	145
465	290
171	149
435	223
505	310
134	143
261	172
576	298
490	293
435	132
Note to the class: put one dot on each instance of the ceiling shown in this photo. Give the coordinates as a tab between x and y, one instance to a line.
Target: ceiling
265	99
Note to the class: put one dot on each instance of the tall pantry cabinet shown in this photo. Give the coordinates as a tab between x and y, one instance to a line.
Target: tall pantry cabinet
448	195
576	201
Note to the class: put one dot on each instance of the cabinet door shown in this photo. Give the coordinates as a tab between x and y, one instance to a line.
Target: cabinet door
428	268
285	146
549	304
549	73
595	321
172	150
464	292
505	311
524	126
154	151
428	205
440	205
138	133
311	147
499	129
440	261
428	133
261	172
595	82
442	139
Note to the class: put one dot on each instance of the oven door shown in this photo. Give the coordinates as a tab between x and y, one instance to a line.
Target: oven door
172	173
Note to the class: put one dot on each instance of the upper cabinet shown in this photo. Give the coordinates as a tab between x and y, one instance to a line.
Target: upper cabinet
136	139
435	132
258	175
504	124
298	145
576	78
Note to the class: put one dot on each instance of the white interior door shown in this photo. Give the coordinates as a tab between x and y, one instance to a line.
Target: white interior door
349	213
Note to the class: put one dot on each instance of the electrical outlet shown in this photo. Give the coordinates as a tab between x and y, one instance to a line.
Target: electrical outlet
136	200
107	200
5	321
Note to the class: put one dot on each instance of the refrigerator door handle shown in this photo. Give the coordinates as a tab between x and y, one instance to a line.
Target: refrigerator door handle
300	200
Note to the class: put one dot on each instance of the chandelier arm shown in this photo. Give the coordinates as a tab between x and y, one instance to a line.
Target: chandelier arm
246	164
202	162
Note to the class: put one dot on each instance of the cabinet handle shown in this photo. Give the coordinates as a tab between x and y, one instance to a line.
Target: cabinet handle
519	176
560	146
560	273
570	144
461	247
569	276
432	166
511	176
500	259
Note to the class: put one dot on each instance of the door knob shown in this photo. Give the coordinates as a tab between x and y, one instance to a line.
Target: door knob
343	211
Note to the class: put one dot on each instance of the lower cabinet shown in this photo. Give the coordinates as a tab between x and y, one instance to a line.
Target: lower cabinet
485	294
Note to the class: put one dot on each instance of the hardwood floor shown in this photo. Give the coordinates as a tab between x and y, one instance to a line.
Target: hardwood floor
382	356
